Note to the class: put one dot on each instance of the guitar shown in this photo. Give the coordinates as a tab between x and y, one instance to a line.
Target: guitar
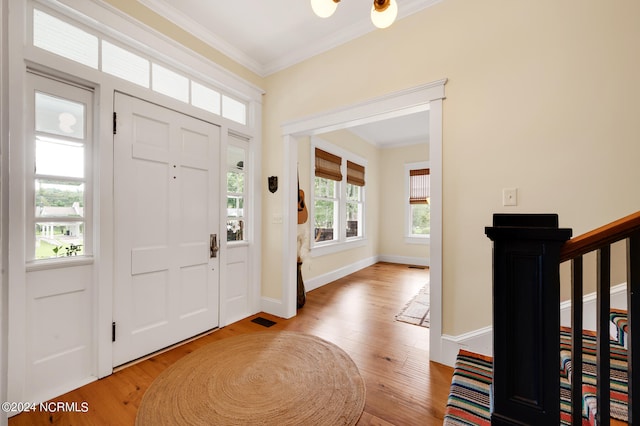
303	214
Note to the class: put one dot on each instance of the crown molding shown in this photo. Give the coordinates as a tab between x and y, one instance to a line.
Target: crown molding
173	14
358	29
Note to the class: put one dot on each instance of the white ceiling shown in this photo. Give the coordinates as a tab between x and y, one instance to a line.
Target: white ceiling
405	130
267	36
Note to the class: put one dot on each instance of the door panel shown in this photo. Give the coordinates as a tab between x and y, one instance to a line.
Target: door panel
145	260
167	204
149	308
193	293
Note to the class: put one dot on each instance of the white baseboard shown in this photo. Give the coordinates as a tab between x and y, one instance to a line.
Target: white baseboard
404	260
273	306
276	307
590	307
320	280
481	340
48	394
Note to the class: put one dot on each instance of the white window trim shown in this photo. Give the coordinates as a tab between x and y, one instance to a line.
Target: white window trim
410	238
86	96
156	67
342	242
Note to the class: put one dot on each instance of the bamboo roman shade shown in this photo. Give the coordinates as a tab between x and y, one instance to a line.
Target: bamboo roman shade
328	165
355	174
419	186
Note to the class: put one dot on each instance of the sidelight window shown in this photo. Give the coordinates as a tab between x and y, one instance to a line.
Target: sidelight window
60	145
237	179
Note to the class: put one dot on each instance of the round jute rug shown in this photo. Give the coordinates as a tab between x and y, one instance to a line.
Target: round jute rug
263	378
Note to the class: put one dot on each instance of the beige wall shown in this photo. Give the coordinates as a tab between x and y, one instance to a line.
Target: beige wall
393	200
541	96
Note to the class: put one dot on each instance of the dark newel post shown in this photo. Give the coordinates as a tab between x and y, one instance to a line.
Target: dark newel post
526	318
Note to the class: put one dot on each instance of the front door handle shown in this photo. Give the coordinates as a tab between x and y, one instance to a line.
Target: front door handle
213	246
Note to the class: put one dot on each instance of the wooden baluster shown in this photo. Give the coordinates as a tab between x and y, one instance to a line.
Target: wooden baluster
576	340
603	350
633	308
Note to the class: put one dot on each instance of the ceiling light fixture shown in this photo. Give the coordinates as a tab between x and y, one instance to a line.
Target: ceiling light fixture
383	12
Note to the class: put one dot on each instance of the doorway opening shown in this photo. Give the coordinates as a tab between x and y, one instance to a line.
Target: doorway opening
427	97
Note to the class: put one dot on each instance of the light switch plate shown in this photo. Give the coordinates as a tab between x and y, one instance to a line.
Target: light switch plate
510	197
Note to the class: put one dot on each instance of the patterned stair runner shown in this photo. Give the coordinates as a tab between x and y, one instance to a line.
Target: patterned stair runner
469	399
619	326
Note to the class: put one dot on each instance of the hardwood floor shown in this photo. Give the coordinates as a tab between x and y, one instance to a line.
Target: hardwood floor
356	313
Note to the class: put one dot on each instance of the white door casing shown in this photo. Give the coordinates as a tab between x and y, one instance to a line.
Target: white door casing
166	196
420	98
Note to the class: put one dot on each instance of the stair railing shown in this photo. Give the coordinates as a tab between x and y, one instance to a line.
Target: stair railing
600	241
527	252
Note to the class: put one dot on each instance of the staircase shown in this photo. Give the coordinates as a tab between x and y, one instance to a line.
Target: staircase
470	396
524	383
618	379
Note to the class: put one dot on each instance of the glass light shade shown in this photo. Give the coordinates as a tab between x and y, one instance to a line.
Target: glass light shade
324	8
385	18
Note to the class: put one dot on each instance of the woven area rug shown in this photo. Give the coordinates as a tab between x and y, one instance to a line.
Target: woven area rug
416	311
262	378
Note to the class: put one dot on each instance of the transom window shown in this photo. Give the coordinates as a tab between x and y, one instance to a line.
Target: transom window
79	45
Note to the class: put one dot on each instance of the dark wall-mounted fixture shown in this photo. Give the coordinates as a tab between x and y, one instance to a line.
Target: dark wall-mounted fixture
273	183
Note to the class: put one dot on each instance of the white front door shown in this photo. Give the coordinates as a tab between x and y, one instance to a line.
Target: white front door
166	184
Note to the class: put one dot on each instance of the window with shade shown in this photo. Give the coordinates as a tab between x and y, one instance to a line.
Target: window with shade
418	223
354	200
338	196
